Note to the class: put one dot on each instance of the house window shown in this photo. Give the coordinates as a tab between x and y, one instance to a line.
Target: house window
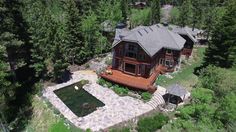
130	68
131	47
131	51
141	56
162	61
169	63
168	51
130	54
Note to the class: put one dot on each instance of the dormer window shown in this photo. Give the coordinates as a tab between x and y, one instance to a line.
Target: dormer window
168	51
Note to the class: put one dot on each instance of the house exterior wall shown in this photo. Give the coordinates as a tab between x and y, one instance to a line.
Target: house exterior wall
188	46
138	63
168	58
122	57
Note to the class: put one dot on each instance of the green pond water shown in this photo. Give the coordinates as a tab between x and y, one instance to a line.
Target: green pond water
78	101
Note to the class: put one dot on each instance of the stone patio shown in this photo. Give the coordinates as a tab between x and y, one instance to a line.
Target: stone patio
116	110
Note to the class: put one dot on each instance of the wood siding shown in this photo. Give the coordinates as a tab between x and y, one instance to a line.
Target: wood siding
144	64
188	46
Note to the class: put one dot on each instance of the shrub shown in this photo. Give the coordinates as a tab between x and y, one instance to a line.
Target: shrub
146	96
125	129
151	124
101	81
109	84
84	82
108	61
87	66
202	95
187	112
221	81
121	90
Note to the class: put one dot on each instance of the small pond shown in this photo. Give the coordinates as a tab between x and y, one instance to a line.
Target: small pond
78	100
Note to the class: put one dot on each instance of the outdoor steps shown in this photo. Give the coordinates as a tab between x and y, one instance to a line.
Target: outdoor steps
156	100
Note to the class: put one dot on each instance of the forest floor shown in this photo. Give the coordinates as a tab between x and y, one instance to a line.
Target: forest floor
185	76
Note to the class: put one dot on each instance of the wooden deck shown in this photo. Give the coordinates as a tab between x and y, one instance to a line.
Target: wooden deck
131	81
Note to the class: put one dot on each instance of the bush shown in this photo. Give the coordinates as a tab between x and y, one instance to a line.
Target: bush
125	129
202	95
101	81
151	124
108	61
87	66
146	96
109	84
221	81
121	90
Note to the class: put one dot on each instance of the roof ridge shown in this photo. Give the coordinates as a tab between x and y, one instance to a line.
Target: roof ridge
172	37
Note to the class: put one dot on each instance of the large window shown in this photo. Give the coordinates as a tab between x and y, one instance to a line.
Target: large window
169	63
130	68
131	50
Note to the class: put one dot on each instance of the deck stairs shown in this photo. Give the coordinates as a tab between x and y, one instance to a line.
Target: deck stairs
157	99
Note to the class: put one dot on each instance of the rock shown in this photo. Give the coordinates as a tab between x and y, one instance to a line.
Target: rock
169	76
76	88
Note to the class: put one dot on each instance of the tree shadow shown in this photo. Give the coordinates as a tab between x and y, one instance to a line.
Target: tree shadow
66	76
197	70
19	107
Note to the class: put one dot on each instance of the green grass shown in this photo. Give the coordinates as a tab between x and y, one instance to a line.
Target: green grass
44	119
61	126
185	76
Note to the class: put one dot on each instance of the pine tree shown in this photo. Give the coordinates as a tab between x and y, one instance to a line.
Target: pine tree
73	36
221	50
185	13
197	10
13	35
155	11
124	9
58	49
229	23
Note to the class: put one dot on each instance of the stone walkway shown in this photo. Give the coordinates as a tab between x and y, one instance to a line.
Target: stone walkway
116	110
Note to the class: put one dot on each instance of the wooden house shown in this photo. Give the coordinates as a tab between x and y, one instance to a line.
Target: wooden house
186	33
141	54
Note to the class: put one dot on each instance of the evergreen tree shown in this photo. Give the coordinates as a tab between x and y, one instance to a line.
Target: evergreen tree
221	50
155	11
210	16
35	13
197	9
58	60
73	38
124	9
89	28
185	13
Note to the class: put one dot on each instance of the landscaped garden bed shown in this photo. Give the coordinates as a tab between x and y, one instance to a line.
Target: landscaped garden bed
124	91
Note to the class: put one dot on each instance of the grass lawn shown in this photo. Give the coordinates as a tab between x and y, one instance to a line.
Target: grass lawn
185	76
44	119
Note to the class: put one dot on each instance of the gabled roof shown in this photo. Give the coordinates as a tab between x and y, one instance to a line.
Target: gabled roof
183	31
150	38
177	90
